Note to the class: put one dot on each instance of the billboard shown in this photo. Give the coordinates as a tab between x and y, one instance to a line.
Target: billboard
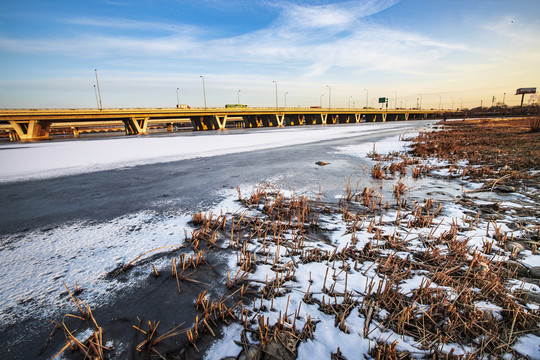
521	91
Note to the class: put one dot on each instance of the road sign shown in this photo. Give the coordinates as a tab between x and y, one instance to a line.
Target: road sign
525	91
382	100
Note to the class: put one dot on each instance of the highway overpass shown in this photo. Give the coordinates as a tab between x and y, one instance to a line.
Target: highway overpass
36	124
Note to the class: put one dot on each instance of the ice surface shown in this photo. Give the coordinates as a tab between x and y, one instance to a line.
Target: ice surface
35	264
54	159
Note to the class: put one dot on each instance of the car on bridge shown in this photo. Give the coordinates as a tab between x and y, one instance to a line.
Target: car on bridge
235	106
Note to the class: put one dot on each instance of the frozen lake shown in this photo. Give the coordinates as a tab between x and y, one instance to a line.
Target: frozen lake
73	211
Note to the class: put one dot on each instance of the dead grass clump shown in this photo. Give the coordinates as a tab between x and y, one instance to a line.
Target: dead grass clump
535	124
485	150
377	172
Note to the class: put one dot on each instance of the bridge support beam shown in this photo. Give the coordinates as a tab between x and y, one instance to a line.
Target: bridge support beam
136	126
324	117
204	123
406	116
76	131
357	118
222	121
280	120
30	130
384	116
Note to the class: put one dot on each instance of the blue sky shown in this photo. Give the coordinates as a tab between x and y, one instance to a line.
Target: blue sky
451	51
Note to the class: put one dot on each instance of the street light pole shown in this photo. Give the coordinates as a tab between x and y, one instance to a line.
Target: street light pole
204	91
238	96
350	97
95	92
329	96
395	104
420	106
99	92
177	99
321	99
367	92
440	98
504	97
285	99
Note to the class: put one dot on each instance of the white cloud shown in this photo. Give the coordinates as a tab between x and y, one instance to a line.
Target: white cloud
307	38
334	16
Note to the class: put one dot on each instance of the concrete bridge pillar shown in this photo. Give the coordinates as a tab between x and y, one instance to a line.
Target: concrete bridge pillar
201	123
280	120
30	130
222	121
384	116
136	126
324	118
76	131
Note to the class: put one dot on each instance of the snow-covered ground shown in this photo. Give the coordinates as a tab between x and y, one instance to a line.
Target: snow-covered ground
311	278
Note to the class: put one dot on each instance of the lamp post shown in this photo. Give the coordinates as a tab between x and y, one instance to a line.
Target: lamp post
204	91
95	92
350	97
504	97
440	98
238	96
285	99
177	99
420	106
276	93
321	99
367	92
452	104
99	92
395	104
329	96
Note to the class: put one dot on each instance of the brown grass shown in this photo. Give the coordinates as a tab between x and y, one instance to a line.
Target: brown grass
535	124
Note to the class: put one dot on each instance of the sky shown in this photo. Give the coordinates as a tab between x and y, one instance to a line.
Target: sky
152	53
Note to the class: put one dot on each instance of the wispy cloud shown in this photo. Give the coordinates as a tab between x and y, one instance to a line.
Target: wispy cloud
310	38
330	16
